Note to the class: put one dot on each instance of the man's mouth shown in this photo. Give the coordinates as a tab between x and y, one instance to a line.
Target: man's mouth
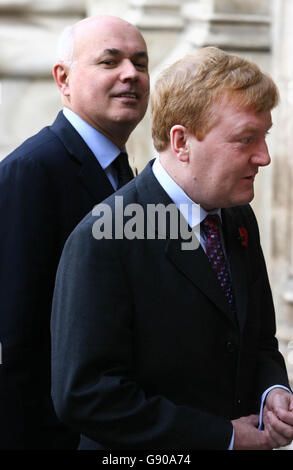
250	177
128	95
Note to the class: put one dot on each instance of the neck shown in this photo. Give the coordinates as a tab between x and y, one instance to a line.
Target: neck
180	173
119	140
171	166
118	134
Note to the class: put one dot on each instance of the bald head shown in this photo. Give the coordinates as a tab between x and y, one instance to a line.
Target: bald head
102	74
101	20
75	35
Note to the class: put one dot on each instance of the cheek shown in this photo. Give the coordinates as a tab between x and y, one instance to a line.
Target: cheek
218	173
145	85
93	83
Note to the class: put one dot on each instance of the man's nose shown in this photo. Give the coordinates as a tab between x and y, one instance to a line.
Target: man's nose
261	157
128	71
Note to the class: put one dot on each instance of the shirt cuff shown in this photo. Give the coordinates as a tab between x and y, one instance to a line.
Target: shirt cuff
263	398
231	442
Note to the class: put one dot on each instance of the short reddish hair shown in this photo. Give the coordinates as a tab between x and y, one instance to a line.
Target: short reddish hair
185	92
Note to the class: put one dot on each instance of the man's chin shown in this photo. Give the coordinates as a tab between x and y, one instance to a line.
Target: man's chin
238	201
244	200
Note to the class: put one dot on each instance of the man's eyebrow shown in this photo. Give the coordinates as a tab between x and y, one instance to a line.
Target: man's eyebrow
111	51
249	128
141	54
114	52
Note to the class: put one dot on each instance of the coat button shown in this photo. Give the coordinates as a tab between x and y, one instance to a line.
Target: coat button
230	347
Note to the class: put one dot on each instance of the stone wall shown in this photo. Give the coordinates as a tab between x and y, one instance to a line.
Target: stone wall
28	34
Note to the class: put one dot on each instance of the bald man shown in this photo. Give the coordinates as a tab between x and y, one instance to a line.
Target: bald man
47	186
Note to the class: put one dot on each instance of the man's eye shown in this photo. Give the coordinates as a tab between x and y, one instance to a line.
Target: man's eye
108	62
141	66
246	140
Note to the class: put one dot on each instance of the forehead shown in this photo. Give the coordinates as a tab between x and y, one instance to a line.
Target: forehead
234	118
98	37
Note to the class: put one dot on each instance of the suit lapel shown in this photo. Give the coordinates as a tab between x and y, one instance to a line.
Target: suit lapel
94	178
236	256
90	171
194	264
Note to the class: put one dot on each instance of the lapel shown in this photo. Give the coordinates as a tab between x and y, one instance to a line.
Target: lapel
236	256
194	264
90	171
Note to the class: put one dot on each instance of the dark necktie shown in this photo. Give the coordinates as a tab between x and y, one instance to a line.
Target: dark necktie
122	167
216	256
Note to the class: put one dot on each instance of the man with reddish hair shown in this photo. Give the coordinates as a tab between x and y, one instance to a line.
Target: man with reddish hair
158	344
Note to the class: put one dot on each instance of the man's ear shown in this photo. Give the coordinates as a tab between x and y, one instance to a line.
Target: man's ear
61	74
179	144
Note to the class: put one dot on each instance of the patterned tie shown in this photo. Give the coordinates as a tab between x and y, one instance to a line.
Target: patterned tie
123	169
216	256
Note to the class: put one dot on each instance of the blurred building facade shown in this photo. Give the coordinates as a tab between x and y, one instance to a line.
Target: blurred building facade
260	30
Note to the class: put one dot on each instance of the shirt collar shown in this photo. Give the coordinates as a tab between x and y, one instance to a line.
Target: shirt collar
192	212
103	148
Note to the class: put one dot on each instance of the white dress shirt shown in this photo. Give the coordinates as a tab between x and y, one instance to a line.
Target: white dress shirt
192	212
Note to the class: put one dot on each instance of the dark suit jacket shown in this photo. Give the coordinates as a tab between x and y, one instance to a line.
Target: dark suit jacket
47	186
146	353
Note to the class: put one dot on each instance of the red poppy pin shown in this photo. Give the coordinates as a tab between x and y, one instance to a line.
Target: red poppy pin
243	236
